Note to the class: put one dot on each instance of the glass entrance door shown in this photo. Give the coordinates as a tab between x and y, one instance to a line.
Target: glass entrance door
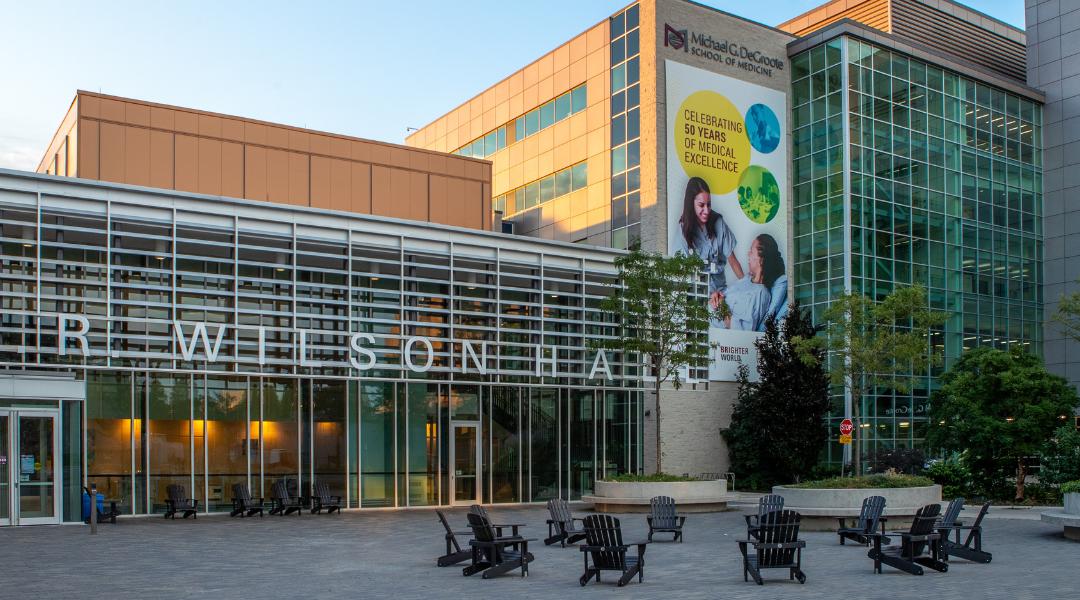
465	461
28	480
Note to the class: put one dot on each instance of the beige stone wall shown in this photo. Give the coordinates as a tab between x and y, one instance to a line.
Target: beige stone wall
692	419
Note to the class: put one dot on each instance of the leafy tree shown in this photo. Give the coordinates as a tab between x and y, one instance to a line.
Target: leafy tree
874	345
778	427
997	408
954	479
1059	459
660	318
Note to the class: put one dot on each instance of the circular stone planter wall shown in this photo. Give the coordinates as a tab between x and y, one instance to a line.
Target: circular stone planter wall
1068	516
821	509
689	496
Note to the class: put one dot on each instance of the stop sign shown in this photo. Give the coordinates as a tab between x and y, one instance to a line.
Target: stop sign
846	427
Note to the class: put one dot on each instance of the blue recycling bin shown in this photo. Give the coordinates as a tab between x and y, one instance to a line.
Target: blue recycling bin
86	505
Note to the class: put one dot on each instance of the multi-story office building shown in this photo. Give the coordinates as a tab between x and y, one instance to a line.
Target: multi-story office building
209	300
915	158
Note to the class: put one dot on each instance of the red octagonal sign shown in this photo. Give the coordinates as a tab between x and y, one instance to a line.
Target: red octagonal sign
846	427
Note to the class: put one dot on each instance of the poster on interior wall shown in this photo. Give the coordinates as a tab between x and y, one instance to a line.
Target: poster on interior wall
727	194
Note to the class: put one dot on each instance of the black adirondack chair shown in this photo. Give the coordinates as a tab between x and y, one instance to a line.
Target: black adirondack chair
244	503
604	544
776	546
178	503
918	546
869	518
494	554
947	547
456	554
561	524
478	509
663	518
766	505
322	500
282	504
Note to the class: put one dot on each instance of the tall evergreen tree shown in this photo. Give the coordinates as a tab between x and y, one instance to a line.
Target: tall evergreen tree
778	427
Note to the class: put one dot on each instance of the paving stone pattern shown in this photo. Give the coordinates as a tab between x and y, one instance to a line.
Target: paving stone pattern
392	554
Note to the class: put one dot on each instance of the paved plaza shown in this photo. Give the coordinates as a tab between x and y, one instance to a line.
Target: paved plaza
392	554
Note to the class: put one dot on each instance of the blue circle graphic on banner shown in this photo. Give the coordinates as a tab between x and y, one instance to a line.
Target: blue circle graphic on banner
763	128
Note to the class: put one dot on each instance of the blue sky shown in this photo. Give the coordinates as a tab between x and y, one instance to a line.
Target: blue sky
366	69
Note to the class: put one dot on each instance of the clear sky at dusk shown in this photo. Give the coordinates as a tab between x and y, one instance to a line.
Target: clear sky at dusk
366	69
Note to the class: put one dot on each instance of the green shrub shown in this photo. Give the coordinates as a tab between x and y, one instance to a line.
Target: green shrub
955	480
1073	487
1060	457
866	482
655	478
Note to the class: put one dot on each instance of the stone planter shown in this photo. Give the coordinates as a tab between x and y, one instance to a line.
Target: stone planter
1068	516
689	496
821	509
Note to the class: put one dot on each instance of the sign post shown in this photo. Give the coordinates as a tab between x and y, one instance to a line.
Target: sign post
846	428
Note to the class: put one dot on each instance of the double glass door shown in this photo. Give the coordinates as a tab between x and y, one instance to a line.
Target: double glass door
29	467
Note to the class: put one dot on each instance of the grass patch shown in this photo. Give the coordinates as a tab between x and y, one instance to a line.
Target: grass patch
655	478
866	482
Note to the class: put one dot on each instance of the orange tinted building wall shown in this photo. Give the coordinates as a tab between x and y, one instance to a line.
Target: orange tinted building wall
585	136
139	143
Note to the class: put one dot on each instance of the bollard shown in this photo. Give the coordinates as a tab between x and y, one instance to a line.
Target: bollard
93	508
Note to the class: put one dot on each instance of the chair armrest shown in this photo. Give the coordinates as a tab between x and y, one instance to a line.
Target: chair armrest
922	538
779	546
885	540
623	548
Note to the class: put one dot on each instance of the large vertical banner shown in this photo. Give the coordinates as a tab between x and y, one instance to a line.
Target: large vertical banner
727	194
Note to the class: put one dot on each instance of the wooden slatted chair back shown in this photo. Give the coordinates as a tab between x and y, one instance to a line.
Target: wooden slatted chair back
477	509
779	527
604	530
241	493
870	515
177	495
952	512
481	527
559	510
769	503
923	524
280	492
321	490
663	512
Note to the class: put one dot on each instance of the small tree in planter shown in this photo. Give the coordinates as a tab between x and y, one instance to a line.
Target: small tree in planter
874	345
660	318
778	426
999	407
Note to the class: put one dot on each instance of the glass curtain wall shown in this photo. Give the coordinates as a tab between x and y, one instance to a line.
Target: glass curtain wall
905	174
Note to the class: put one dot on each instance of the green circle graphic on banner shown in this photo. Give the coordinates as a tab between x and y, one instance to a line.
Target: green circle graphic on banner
759	195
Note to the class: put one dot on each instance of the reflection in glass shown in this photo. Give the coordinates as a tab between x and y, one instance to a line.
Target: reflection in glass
36	468
226	439
423	444
465	475
376	444
108	435
169	451
502	456
328	437
280	434
583	433
544	444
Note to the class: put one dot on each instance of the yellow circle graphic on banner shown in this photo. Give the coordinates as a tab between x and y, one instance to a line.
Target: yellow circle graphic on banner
710	137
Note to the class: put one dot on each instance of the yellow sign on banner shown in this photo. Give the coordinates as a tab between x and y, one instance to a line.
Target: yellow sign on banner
845	439
711	137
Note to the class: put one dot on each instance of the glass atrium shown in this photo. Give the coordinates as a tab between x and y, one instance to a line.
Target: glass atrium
906	173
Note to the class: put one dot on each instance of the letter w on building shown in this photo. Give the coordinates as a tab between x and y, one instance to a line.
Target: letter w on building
188	349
